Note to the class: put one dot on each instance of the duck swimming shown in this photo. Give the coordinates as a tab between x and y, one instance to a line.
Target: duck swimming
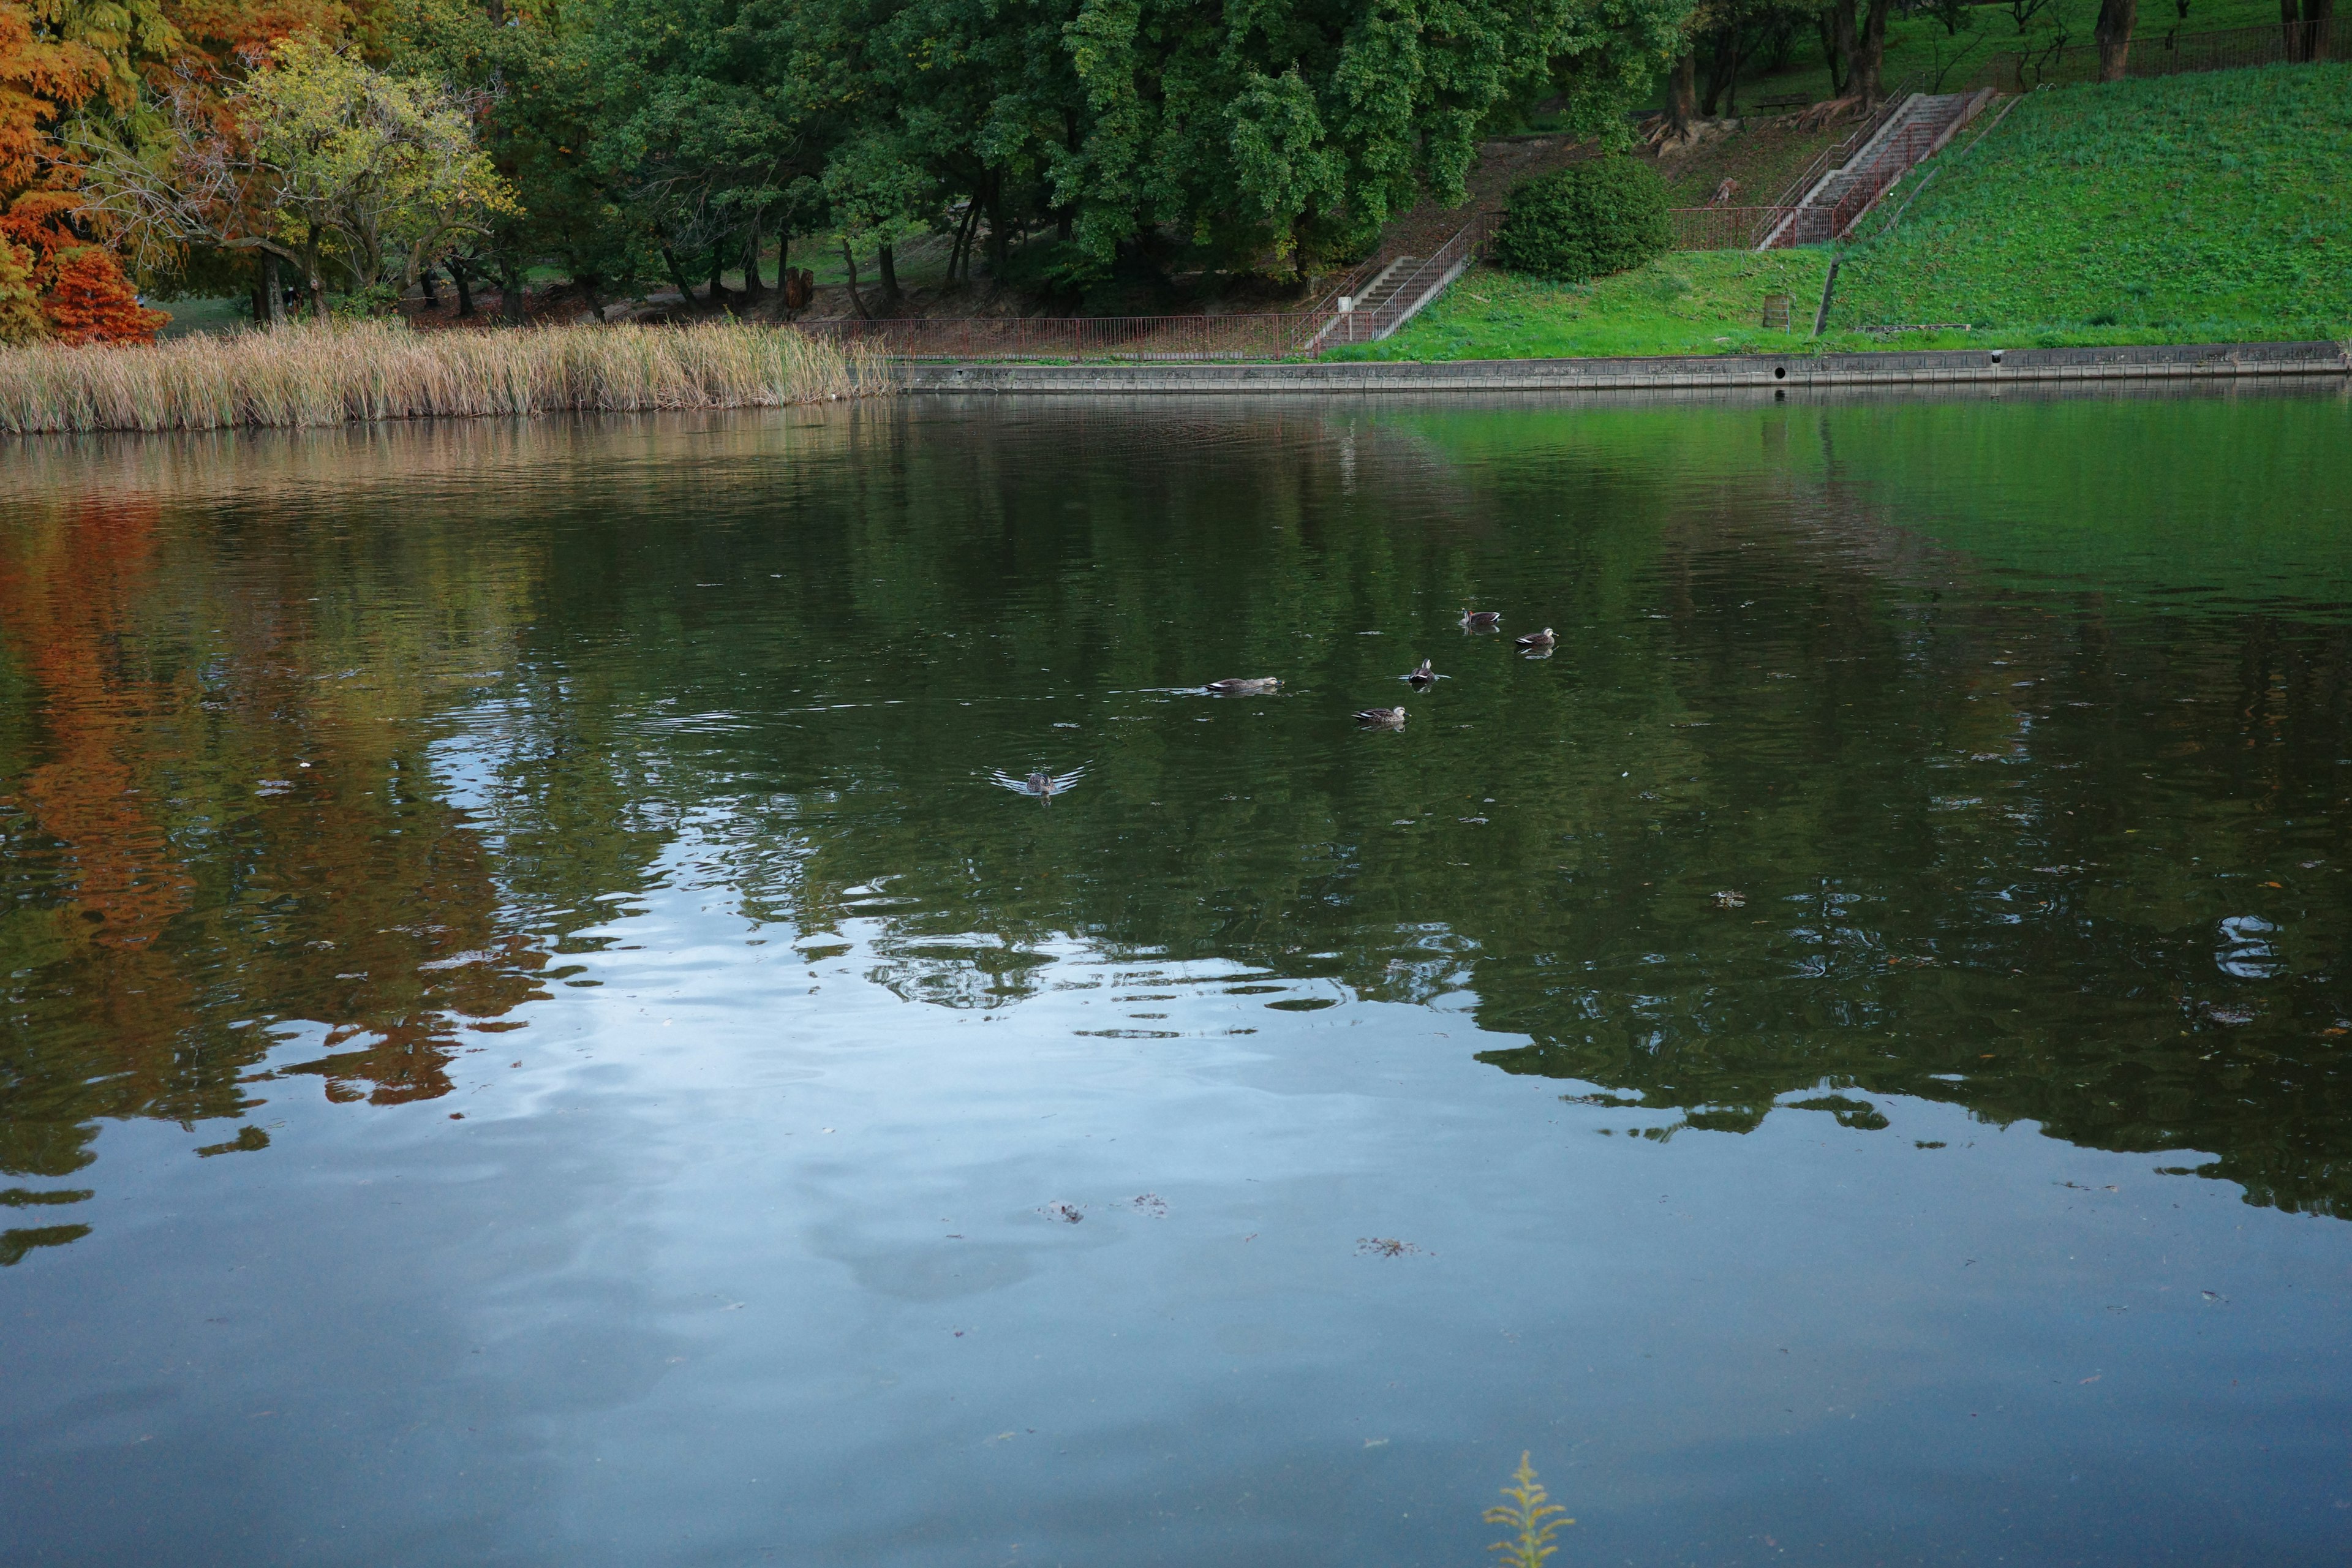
1543	638
1040	785
1422	677
1238	686
1382	718
1480	620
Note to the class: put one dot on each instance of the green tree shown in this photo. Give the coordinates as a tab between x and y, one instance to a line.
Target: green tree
539	79
711	112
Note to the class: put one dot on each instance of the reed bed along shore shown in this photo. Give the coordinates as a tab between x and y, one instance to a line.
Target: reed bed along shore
308	375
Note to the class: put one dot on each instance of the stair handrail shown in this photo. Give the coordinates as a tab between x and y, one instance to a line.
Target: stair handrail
1831	159
1408	296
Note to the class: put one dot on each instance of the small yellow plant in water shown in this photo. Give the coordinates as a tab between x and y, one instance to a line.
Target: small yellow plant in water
1529	1513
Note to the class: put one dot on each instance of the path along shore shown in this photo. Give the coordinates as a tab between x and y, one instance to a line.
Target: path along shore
1940	367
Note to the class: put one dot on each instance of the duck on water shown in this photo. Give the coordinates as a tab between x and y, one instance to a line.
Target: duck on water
1041	784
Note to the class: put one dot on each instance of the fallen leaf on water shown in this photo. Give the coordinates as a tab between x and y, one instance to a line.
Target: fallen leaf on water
2094	1377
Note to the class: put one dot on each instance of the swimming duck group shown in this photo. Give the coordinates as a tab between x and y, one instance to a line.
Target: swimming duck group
1042	785
1536	644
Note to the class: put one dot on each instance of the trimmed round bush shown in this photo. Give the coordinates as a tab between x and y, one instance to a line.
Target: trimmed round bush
1587	220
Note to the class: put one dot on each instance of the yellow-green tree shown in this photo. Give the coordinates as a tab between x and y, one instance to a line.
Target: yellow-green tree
321	158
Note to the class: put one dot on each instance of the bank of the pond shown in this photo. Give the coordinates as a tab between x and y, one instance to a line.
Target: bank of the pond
334	375
2217	203
2184	362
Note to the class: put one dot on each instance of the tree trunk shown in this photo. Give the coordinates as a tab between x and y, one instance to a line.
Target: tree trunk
888	266
511	291
1842	46
849	258
273	292
754	288
2114	32
1682	103
315	285
676	274
1000	237
465	289
1870	52
1723	72
425	282
2319	22
960	252
588	286
718	266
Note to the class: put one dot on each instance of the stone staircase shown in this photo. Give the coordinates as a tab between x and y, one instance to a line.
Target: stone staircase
1371	304
1834	198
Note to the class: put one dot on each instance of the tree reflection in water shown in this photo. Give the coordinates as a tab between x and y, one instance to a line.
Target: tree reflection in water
2020	728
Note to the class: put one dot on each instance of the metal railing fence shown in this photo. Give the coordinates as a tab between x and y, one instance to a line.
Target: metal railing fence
2167	53
1271	335
1840	154
1406	294
1723	228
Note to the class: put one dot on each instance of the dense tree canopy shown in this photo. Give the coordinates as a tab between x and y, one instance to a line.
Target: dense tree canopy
624	142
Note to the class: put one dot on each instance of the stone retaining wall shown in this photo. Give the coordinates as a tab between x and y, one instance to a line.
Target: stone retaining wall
1973	367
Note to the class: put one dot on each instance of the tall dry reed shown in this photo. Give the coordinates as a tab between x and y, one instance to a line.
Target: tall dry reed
333	375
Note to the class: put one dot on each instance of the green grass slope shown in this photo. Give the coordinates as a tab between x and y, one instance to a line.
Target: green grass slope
1685	302
2190	207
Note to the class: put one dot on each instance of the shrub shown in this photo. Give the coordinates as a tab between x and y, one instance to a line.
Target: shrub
93	303
21	321
1588	220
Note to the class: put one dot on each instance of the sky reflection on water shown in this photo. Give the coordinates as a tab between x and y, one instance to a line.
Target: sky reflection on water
533	1034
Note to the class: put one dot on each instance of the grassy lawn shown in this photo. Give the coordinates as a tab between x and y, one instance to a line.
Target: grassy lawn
1920	46
2184	208
1689	302
1709	301
204	315
1762	155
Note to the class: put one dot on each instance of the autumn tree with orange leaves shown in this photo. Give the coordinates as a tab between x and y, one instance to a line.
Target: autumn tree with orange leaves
84	62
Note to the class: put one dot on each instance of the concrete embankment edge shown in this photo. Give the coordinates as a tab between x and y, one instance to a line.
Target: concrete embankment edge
1957	367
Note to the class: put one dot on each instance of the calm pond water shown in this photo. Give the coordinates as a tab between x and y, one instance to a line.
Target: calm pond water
533	1034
